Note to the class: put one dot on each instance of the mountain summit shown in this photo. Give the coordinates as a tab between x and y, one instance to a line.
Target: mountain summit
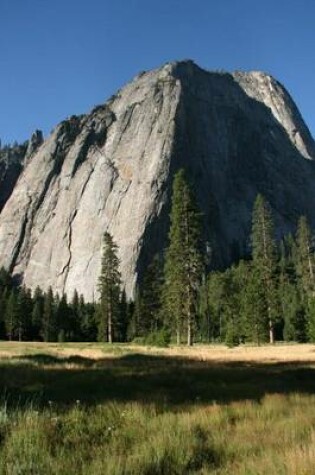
111	170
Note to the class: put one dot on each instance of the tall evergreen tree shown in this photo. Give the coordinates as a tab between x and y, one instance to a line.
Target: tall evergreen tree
109	288
254	307
293	321
305	258
75	318
265	257
204	314
37	313
87	313
63	320
49	327
231	307
134	325
124	316
3	303
311	319
216	289
24	321
183	261
150	296
305	271
12	315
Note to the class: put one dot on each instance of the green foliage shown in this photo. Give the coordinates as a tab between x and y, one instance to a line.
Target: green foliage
268	297
183	262
216	295
147	316
124	317
109	288
12	315
265	258
24	316
37	313
160	338
305	264
49	331
204	328
311	320
254	306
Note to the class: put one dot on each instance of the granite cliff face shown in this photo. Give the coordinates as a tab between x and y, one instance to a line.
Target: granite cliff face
236	134
12	161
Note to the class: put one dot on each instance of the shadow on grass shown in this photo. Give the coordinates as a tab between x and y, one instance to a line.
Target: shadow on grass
167	381
46	359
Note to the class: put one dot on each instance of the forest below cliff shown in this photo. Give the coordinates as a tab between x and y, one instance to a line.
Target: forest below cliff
268	297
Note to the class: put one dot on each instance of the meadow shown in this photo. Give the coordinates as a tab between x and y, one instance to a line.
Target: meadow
123	409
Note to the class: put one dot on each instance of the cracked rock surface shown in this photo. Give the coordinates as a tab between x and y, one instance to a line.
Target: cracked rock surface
111	170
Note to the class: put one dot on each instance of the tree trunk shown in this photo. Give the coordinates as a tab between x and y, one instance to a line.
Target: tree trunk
271	328
109	321
310	267
189	317
189	333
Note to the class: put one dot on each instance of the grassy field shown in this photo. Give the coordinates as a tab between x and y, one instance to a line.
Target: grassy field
96	409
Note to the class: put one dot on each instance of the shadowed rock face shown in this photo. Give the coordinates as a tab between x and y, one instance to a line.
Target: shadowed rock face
11	165
236	134
12	161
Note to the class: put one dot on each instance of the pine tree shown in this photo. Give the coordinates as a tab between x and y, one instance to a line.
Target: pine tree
63	320
290	326
37	313
311	320
236	280
305	258
265	258
12	315
123	318
3	303
24	319
183	262
87	315
150	295
49	327
231	308
204	314
254	307
109	288
75	318
216	289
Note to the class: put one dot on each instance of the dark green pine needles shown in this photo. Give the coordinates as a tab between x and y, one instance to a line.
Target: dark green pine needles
183	261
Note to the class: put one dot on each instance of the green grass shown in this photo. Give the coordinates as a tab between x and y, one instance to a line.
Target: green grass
133	413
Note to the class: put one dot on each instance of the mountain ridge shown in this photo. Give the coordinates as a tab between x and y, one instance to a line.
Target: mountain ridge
111	170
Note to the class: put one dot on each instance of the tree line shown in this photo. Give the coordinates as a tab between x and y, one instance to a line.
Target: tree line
43	316
268	297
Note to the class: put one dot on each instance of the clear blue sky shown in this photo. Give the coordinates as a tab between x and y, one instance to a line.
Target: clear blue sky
61	57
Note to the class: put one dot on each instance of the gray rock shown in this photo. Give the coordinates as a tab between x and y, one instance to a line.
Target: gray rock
236	134
11	166
13	159
34	143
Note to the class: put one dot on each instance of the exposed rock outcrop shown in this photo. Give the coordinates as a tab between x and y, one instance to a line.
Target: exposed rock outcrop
11	165
13	159
237	135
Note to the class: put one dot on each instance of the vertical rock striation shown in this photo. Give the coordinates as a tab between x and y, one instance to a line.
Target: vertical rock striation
237	135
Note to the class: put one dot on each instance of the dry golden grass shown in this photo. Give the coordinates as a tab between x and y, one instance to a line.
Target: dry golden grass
279	353
252	354
201	410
